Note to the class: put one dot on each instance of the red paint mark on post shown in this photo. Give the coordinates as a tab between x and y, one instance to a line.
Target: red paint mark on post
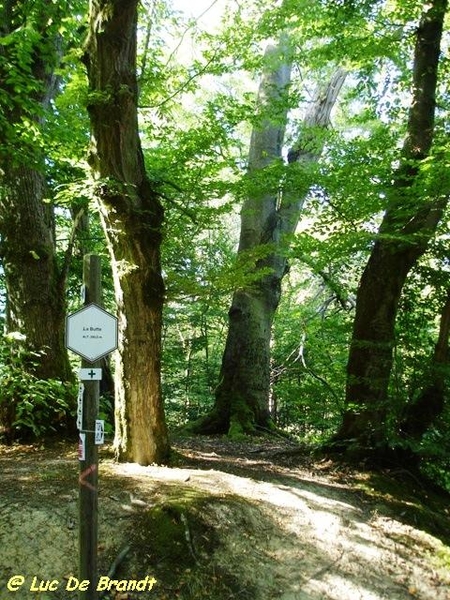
86	473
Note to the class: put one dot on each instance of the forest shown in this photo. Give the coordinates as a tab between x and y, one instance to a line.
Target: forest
268	193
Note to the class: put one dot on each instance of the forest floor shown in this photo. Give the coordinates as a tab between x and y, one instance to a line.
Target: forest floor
248	521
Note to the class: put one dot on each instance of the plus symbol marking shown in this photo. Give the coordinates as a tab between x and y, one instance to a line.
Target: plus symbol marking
90	374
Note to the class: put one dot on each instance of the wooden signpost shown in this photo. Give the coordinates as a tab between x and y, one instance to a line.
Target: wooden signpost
91	333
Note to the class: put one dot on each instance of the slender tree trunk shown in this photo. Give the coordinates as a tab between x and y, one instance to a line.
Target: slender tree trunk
242	396
34	282
132	218
408	225
420	414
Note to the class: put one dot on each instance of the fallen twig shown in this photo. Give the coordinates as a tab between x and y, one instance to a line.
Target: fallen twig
115	565
188	536
327	568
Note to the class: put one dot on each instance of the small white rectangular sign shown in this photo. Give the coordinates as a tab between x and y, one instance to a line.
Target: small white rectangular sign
99	432
80	406
90	374
82	446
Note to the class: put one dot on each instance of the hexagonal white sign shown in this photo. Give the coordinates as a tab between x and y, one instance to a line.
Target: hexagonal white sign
91	332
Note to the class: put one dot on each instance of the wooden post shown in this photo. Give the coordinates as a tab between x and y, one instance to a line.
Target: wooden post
88	480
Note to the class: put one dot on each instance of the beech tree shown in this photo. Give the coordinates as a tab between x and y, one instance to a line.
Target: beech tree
268	215
413	212
132	216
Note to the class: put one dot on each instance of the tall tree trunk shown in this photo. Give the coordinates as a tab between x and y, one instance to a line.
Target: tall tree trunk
242	396
132	218
409	223
34	282
35	292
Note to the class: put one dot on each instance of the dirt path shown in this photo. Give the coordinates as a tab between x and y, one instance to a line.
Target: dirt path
245	522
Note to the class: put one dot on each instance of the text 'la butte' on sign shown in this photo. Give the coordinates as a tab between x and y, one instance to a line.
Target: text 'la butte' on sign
91	332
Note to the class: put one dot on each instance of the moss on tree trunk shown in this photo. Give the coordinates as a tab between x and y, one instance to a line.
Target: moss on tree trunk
132	217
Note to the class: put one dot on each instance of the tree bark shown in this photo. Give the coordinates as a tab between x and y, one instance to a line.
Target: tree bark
409	223
242	396
132	218
34	282
420	414
35	292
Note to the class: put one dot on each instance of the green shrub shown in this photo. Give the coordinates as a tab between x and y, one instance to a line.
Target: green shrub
29	406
